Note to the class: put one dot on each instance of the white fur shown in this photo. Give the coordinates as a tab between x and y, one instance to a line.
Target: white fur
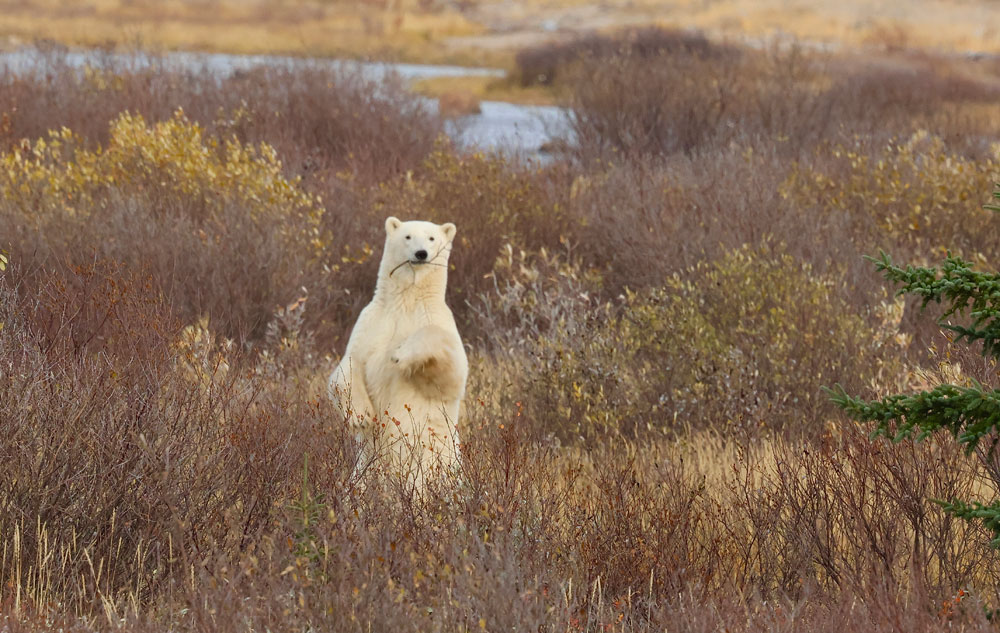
405	366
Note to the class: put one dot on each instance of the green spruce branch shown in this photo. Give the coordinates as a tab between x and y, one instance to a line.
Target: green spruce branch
970	414
965	291
975	511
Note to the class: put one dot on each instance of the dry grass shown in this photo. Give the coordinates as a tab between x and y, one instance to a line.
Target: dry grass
650	317
473	32
941	25
407	30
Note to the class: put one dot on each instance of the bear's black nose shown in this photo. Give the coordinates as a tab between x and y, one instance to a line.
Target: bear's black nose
421	255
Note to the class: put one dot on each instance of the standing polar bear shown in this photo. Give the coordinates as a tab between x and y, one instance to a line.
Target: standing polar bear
403	374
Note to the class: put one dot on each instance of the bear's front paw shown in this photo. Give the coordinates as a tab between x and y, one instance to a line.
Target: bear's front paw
411	357
403	354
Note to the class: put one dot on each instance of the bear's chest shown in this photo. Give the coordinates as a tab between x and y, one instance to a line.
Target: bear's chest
390	330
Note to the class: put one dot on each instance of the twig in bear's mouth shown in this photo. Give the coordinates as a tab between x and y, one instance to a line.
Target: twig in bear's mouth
405	262
429	262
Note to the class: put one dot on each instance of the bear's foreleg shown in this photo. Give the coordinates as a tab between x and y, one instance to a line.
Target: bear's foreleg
430	358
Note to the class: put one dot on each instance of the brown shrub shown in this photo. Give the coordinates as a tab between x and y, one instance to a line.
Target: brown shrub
705	348
640	106
911	196
222	231
846	513
122	468
552	62
633	105
626	537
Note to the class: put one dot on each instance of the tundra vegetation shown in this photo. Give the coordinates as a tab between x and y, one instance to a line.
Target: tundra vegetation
651	316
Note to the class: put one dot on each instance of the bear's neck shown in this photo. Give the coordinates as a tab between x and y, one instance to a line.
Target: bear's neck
408	289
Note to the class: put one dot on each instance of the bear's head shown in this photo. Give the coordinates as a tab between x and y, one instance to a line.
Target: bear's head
418	249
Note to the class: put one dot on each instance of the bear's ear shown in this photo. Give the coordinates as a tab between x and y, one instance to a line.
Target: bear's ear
391	224
449	230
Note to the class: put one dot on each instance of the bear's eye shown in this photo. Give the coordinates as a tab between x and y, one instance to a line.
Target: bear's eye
407	237
432	239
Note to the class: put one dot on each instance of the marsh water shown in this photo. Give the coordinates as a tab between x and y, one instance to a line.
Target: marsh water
518	130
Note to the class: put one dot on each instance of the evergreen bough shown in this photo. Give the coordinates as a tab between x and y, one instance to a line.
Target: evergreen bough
970	414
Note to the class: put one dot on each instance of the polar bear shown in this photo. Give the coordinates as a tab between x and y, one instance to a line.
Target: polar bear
403	374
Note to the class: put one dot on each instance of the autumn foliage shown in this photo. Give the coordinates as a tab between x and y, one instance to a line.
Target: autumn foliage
651	314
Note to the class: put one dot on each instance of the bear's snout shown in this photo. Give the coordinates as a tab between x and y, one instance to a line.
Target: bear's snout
421	255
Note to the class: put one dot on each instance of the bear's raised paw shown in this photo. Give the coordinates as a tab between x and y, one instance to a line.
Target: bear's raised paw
424	347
